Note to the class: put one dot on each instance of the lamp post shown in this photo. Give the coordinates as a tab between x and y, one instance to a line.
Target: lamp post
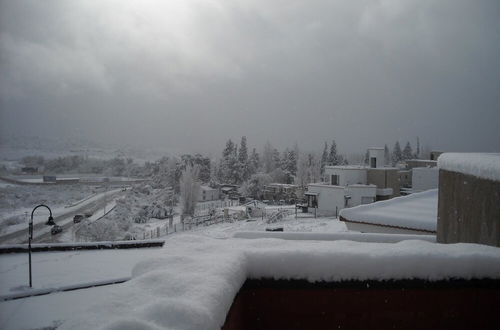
50	222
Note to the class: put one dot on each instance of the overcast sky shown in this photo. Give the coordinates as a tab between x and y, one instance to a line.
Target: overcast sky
189	74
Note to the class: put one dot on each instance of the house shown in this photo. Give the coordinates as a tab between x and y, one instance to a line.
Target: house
345	186
352	185
208	194
281	192
229	191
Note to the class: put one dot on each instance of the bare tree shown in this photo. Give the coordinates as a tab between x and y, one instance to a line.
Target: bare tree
190	189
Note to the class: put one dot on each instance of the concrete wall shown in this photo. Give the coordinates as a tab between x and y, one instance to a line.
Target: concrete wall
405	178
468	209
331	199
378	154
385	178
358	192
347	175
424	178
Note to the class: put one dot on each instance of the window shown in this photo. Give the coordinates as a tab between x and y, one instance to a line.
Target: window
334	179
373	162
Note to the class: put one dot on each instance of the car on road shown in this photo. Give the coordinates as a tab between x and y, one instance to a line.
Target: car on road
56	230
77	218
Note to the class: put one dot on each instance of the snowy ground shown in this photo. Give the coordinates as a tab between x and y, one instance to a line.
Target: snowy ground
57	269
176	286
289	224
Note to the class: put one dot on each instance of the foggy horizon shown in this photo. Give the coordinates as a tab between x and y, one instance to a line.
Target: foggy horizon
187	76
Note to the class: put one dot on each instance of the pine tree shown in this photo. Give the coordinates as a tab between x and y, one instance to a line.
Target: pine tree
417	153
276	160
407	152
333	158
397	155
267	158
254	162
367	157
324	158
229	171
292	162
243	160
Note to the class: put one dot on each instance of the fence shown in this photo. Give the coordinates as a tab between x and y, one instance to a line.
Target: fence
209	218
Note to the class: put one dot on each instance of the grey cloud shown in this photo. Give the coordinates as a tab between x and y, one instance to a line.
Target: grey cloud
190	76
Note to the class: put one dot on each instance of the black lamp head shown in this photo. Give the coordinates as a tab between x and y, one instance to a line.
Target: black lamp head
50	221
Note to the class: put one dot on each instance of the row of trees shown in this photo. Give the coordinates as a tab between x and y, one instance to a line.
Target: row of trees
237	166
397	155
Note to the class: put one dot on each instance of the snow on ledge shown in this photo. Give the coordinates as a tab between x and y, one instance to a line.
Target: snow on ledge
193	283
356	237
481	165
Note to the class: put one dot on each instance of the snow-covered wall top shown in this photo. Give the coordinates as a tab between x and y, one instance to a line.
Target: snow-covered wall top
193	284
482	165
416	211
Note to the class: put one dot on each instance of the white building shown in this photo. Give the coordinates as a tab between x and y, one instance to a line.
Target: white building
348	186
208	194
424	178
345	186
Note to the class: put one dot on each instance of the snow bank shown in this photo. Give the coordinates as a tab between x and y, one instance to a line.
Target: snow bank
416	211
482	165
193	283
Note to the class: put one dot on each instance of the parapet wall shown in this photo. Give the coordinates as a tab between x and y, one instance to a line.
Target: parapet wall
468	209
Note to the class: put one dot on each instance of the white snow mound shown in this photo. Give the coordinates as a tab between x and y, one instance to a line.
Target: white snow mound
193	283
481	165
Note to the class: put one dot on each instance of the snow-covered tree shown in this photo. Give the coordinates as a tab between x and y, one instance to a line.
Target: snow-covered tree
333	158
407	151
417	152
324	158
229	169
253	162
254	186
397	154
243	160
190	189
268	163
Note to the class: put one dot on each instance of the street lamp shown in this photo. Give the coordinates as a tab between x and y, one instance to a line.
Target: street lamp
50	222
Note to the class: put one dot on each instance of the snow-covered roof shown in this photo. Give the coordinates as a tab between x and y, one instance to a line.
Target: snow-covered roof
416	211
193	283
347	167
482	165
206	188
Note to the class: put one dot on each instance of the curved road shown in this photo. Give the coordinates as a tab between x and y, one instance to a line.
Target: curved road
23	234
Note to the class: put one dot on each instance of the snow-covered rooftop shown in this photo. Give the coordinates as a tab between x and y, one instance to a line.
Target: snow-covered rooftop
193	284
482	165
416	211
